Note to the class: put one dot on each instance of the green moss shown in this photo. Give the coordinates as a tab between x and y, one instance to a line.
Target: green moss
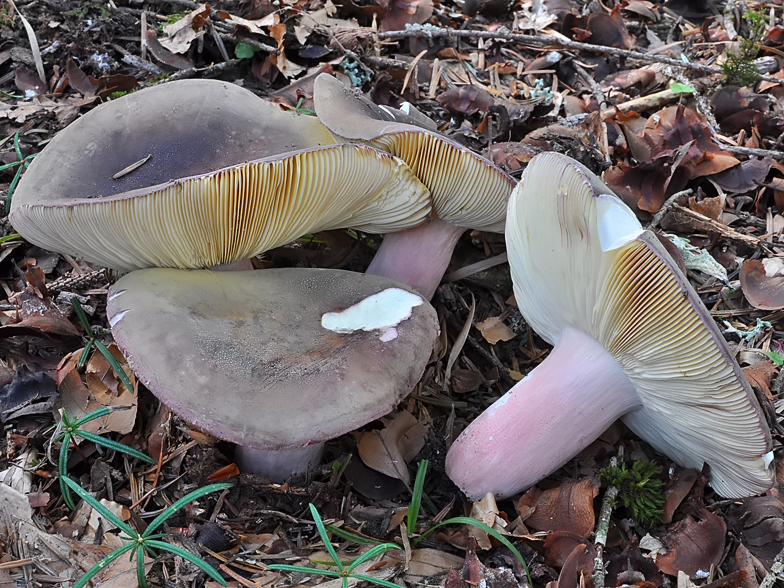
640	487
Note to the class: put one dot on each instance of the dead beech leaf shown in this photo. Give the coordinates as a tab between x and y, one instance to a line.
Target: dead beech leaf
566	508
182	32
762	291
102	388
694	543
577	570
389	450
486	511
494	330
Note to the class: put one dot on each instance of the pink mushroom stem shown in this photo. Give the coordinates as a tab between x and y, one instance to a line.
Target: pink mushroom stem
551	415
417	257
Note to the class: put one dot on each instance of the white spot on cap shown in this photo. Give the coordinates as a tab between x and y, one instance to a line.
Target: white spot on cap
116	318
617	223
382	312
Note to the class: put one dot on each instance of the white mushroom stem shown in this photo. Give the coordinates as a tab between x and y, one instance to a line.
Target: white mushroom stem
546	419
277	465
417	257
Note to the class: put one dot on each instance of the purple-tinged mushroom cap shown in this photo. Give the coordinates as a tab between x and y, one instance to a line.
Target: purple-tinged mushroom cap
197	173
468	192
632	341
273	359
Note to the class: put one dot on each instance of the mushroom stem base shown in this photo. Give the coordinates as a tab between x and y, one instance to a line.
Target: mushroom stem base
551	415
277	465
417	257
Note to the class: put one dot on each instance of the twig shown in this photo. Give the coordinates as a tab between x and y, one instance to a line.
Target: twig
602	529
753	152
205	71
668	204
775	571
437	32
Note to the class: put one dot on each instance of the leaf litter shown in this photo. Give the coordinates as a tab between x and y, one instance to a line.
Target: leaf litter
658	124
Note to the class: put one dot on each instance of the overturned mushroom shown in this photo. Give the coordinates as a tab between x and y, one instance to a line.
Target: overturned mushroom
467	190
632	341
279	359
197	173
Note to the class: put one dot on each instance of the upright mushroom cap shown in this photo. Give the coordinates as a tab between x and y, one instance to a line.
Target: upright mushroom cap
221	175
586	273
276	358
467	190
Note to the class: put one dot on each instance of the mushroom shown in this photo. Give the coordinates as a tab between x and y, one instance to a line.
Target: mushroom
278	359
197	173
467	190
632	341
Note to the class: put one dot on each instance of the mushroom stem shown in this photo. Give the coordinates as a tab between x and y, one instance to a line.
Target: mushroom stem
276	465
551	415
417	257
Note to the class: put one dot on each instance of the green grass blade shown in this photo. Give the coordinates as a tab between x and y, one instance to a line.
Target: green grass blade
416	498
96	414
12	187
378	581
105	512
349	536
82	317
374	552
10	237
102	564
324	537
85	352
141	576
195	495
187	555
9	165
18	147
117	446
62	472
490	531
115	365
304	570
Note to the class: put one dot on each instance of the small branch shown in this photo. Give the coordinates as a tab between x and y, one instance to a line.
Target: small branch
542	41
669	203
602	529
753	152
775	571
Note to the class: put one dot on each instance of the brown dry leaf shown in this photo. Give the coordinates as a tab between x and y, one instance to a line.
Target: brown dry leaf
466	100
389	450
182	32
599	28
760	375
38	499
566	508
286	67
710	207
163	55
694	543
403	12
103	388
494	330
486	511
253	26
577	571
677	490
560	545
762	291
427	563
745	561
759	522
474	574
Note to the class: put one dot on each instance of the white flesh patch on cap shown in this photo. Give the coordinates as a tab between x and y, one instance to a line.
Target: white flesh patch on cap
382	311
617	223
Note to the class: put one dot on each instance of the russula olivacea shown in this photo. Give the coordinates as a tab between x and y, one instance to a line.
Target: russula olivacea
468	191
277	361
198	173
632	341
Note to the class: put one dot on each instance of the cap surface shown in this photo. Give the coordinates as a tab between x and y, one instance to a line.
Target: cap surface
274	358
213	154
580	259
467	190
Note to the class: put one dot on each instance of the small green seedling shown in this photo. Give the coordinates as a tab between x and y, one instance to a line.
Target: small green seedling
66	431
23	163
344	571
640	489
244	51
777	357
147	542
91	340
411	523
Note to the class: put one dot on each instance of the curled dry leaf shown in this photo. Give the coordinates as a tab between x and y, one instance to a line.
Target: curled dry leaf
577	570
566	508
486	511
474	573
762	291
759	522
694	543
390	449
681	483
182	32
494	330
560	545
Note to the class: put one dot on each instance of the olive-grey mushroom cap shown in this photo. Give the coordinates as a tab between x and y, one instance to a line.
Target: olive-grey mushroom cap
219	175
276	358
579	259
467	190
